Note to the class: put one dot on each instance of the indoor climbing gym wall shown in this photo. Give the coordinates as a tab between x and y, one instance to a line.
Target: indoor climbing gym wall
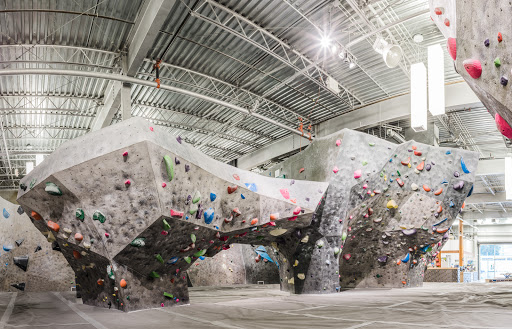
480	43
386	213
28	260
137	208
240	264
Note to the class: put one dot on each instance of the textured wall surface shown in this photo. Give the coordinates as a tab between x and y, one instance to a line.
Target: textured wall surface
46	270
388	208
476	27
131	223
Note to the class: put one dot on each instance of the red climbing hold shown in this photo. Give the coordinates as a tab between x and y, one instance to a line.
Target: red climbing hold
452	47
79	237
347	256
417	153
232	189
301	170
406	163
285	193
400	182
296	211
473	67
177	214
414	147
237	211
235	176
439	11
76	254
151	128
502	125
127	183
447	22
125	154
421	166
500	37
164	185
107	235
254	221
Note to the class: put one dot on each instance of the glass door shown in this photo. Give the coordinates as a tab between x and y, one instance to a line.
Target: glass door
495	261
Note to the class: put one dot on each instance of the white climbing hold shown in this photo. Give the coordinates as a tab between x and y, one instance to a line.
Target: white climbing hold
301	276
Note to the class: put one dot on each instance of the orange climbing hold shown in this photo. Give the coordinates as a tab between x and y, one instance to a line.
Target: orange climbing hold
426	188
438	192
274	217
406	163
35	215
443	230
439	11
414	147
76	254
79	237
421	166
417	153
254	221
500	37
53	226
123	283
440	209
100	282
301	170
398	262
463	205
293	200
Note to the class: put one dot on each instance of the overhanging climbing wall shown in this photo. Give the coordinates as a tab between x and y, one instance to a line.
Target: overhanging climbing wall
28	261
387	211
133	207
480	42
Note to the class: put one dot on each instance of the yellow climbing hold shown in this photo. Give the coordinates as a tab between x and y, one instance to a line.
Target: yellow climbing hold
392	204
301	276
296	263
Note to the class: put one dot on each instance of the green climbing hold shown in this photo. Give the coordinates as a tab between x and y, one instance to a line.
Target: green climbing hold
188	259
32	183
98	216
196	197
199	253
398	173
159	258
138	242
154	275
169	166
193	237
166	225
344	236
52	189
371	144
80	214
128	297
193	209
497	62
365	163
168	295
110	272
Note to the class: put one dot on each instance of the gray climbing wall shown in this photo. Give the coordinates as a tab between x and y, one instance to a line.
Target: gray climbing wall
236	265
40	267
480	58
386	212
133	208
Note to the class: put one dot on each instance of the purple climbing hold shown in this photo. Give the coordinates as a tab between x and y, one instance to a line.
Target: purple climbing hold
292	182
428	167
188	199
459	185
382	259
504	81
187	168
486	43
456	174
409	231
176	161
178	139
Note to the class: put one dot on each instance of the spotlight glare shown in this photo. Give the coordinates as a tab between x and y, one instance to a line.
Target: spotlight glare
351	65
326	42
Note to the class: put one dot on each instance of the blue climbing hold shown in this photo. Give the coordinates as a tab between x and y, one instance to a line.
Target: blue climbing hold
424	249
445	182
6	213
208	216
441	222
243	197
452	204
202	257
448	152
470	191
173	260
213	196
262	252
7	248
252	187
406	259
463	165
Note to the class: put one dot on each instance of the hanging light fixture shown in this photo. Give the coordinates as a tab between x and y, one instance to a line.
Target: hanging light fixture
436	100
391	54
418	97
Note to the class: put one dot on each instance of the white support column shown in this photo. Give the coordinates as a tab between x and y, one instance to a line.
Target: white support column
126	102
110	106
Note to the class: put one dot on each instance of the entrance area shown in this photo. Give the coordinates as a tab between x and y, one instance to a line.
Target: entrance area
495	261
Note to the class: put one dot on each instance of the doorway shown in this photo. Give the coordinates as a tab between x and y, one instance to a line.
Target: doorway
495	261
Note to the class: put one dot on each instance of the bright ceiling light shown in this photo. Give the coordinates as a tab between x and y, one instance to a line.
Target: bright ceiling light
334	49
508	178
343	54
351	65
39	159
29	166
418	97
391	54
418	38
326	42
436	102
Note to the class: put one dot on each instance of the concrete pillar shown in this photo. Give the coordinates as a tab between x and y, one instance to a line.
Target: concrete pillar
430	136
126	102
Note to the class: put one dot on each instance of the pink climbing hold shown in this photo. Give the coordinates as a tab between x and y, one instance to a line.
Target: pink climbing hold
335	169
164	185
164	232
175	213
365	186
285	193
452	47
338	142
357	173
107	235
297	210
162	304
125	154
151	128
347	256
503	126
473	67
127	183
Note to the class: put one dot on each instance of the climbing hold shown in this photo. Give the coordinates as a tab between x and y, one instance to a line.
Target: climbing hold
428	167
463	165
297	210
200	253
187	168
76	254
127	183
336	250
503	126
456	174
503	81
166	225
99	216
155	275
301	170
6	213
473	67
459	185
125	153
486	43
400	182
53	226
19	242
338	142
151	128
52	189
252	187
452	48
79	213
414	187
411	231
20	210
444	230
406	163
392	204
497	62
406	258
177	214
382	259
254	221
237	212
21	262
438	191
169	167
426	188
285	193
235	176
208	216
417	153
100	282
421	166
196	197
335	169
107	235
79	237
187	259
123	283
500	37
447	22
138	242
213	196
274	217
347	256
357	173
243	196
178	139
232	189
439	11
159	258
320	243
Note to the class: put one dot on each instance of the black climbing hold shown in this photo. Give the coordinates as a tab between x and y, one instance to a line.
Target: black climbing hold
19	286
504	81
21	262
187	168
486	42
19	242
20	210
176	161
38	248
23	187
55	246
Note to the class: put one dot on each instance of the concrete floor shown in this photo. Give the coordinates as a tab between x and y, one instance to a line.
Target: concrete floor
436	305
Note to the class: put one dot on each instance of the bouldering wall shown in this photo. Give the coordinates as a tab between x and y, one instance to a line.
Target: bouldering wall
238	265
133	207
28	261
480	43
387	210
